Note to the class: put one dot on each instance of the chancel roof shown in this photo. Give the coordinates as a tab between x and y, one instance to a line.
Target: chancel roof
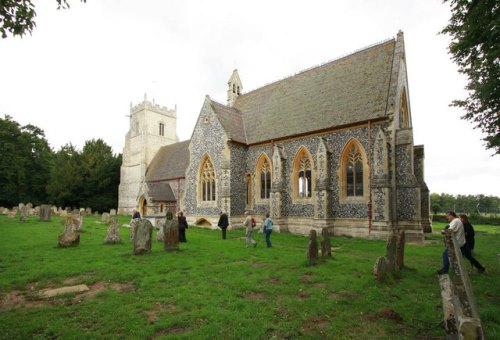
170	162
345	91
161	192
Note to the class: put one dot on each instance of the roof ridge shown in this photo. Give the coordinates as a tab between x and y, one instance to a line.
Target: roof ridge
341	57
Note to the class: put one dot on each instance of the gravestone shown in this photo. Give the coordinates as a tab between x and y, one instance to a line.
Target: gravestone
44	212
105	217
96	213
312	249
400	254
88	212
54	211
29	205
390	255
170	233
37	210
63	213
24	214
78	219
160	234
112	212
133	224
380	268
20	206
11	213
143	233
113	235
326	244
71	236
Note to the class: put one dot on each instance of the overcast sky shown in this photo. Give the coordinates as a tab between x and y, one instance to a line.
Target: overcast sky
77	74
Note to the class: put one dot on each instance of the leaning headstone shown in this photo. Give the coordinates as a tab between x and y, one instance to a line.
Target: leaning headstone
113	235
390	254
400	254
326	244
71	236
133	224
380	268
105	217
312	249
24	214
44	212
143	233
112	212
170	233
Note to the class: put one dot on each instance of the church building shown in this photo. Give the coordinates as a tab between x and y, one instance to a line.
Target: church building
329	147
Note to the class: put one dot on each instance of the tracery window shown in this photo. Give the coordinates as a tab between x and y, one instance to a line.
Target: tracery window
265	179
354	173
207	181
303	174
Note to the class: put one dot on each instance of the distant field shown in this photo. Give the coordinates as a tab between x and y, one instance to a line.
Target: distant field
216	288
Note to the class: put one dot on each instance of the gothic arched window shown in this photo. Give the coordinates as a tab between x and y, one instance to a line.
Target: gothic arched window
303	181
265	179
207	181
353	172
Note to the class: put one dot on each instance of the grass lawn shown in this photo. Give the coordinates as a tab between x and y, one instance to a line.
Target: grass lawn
216	288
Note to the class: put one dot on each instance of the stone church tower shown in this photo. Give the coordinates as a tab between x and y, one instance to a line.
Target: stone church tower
151	127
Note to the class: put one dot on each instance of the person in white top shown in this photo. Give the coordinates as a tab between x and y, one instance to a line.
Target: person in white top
457	228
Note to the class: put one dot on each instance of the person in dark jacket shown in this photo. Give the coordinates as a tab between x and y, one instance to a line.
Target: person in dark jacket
223	223
469	231
182	226
136	214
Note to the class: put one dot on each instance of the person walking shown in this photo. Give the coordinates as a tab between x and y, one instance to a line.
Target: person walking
469	231
457	228
249	226
182	226
268	229
223	223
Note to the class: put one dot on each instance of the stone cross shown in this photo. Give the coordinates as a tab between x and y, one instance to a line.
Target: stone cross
326	244
71	236
143	233
113	235
312	249
170	233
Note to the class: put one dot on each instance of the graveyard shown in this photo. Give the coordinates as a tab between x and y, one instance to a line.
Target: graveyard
214	288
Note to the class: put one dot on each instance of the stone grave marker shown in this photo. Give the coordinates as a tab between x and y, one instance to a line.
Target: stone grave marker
143	233
96	213
380	268
133	224
44	212
160	233
20	206
390	255
326	244
11	213
113	235
88	211
170	233
70	237
24	214
312	249
37	210
400	254
112	212
105	217
29	205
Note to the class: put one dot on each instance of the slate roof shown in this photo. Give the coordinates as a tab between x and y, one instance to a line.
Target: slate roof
161	192
344	91
170	162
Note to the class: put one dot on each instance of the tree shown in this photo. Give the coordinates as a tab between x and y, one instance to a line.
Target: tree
475	30
17	17
25	163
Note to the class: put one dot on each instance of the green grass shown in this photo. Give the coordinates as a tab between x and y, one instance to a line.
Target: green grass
216	288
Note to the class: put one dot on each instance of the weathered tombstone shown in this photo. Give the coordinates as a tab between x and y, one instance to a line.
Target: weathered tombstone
113	235
390	255
63	212
326	244
133	224
82	211
380	268
54	210
20	206
112	212
96	213
78	219
24	214
105	217
44	212
170	233
400	256
312	249
2	210
88	211
143	233
11	213
29	205
37	210
160	234
71	236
